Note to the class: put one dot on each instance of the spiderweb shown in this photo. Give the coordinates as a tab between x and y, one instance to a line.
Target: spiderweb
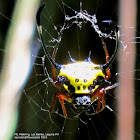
63	28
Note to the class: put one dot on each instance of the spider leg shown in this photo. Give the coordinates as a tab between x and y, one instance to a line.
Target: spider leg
53	68
101	99
61	98
107	58
100	94
57	85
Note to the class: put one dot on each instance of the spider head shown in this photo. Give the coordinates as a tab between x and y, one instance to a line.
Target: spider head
81	102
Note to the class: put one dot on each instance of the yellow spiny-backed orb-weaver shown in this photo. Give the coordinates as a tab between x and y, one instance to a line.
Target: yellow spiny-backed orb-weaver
80	83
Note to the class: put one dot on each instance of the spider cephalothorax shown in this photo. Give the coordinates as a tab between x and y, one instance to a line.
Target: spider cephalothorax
80	83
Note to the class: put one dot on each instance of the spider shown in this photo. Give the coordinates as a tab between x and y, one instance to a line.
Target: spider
80	83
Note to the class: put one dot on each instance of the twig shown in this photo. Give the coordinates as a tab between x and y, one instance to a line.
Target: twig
126	63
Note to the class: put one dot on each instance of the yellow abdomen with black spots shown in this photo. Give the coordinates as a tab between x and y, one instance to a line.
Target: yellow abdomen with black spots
81	76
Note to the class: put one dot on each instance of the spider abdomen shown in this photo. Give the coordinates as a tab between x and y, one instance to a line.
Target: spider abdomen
81	76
